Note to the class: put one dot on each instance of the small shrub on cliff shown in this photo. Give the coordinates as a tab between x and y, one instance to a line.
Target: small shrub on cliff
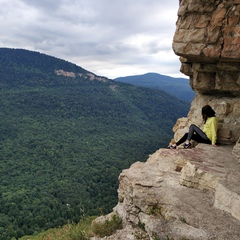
108	227
80	231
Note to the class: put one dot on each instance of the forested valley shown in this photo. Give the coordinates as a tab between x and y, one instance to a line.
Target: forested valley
65	140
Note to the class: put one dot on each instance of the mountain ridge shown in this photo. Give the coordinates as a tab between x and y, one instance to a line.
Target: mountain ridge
178	87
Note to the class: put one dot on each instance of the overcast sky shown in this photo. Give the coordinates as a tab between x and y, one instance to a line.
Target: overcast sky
111	38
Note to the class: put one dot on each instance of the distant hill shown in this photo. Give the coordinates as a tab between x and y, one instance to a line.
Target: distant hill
178	87
65	136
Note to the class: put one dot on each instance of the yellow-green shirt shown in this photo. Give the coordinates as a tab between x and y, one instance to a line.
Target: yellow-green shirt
210	129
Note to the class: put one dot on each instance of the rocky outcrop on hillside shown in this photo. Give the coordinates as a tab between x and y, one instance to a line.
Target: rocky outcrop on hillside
88	76
193	194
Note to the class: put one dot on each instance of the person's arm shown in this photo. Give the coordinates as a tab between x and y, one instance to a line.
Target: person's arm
214	128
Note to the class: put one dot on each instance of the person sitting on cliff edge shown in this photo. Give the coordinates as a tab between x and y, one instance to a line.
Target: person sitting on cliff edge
208	135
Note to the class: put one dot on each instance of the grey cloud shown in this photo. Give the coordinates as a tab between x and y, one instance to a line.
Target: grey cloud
46	5
121	31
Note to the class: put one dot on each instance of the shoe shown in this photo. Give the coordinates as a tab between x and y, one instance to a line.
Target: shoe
187	145
172	147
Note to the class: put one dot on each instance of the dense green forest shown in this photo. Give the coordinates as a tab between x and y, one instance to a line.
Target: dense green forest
64	141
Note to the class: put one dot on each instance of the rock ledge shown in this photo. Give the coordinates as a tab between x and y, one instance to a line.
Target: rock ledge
181	194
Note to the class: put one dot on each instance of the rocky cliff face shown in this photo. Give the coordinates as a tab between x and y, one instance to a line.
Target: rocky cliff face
89	76
194	193
207	39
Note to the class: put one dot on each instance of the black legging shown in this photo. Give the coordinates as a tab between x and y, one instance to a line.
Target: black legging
196	134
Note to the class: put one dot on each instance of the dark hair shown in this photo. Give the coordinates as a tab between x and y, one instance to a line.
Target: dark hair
207	112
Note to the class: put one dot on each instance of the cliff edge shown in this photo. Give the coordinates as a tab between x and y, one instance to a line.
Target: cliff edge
193	193
181	194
